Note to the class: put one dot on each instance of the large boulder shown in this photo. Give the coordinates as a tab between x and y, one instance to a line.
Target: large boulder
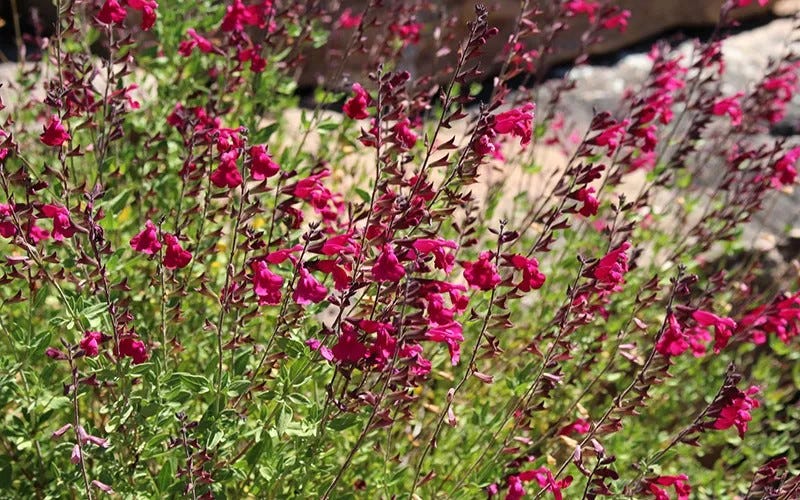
649	18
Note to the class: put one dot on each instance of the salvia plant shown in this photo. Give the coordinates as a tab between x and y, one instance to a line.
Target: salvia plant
223	278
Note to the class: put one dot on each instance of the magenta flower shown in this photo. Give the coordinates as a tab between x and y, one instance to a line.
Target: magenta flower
147	240
54	133
313	191
590	203
408	32
148	10
482	273
75	456
439	247
356	106
577	7
517	122
102	487
131	347
404	134
679	483
611	136
341	244
7	229
673	340
227	173
387	267
111	12
543	477
341	276
611	269
262	165
729	106
618	20
451	334
737	412
579	426
785	168
532	279
91	343
61	431
175	257
348	20
348	349
316	345
86	438
308	289
62	224
185	48
723	327
266	284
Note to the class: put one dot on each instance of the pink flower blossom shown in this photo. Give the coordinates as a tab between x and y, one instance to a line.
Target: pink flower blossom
590	203
266	284
723	327
90	343
482	273
408	32
387	267
111	12
102	487
148	10
452	334
543	477
438	247
62	224
348	349
356	106
405	135
341	244
147	240
7	229
55	134
348	20
36	233
313	191
316	345
185	48
729	106
308	289
175	257
737	412
340	274
673	340
532	279
577	7
611	136
785	168
227	173
60	431
516	122
262	165
679	483
611	269
780	318
132	348
579	426
86	438
618	20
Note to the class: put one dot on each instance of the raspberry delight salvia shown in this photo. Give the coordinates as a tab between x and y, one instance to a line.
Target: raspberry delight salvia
283	249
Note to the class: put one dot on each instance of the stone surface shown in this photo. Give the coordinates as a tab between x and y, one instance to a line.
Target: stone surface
649	18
